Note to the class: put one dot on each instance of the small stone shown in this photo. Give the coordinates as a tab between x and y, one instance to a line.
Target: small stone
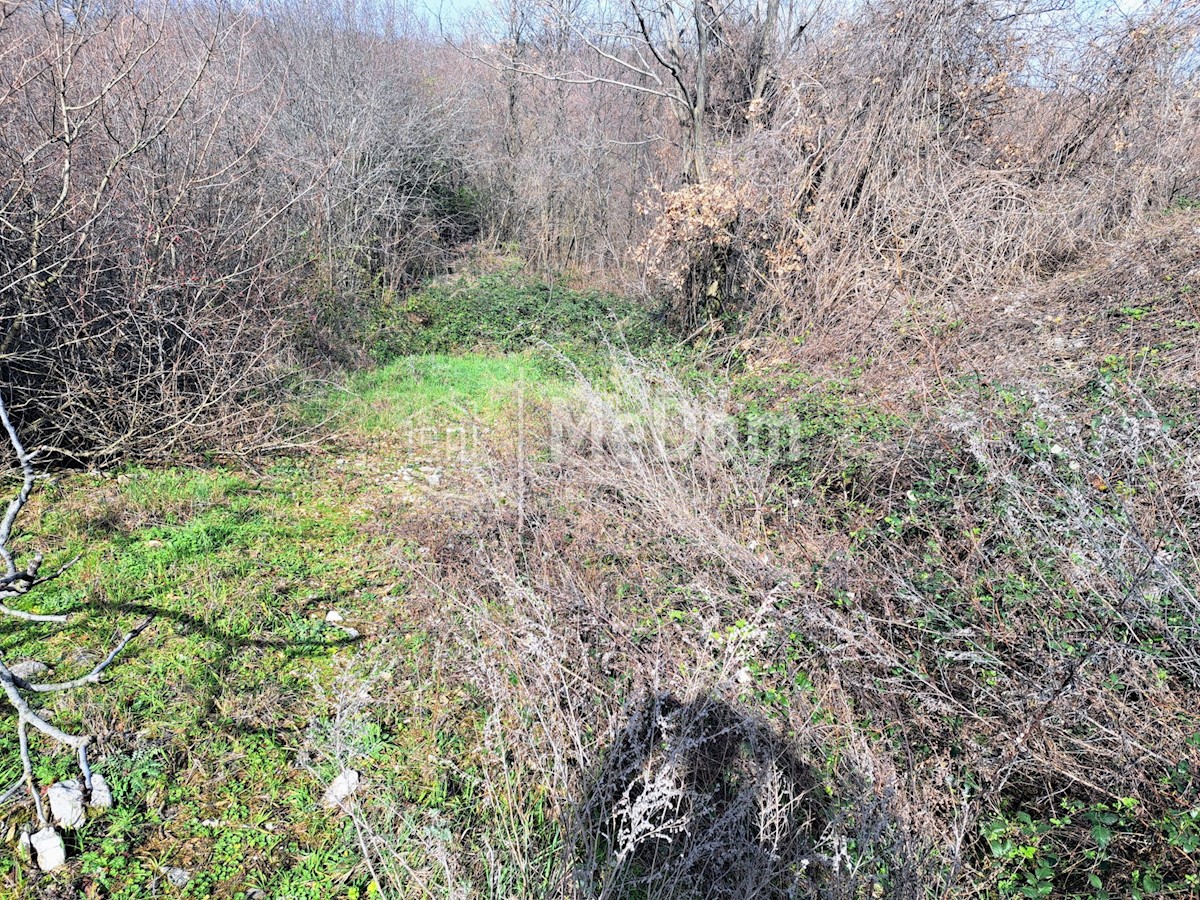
101	793
333	617
341	789
28	668
24	847
66	804
49	848
154	543
351	633
178	877
256	894
434	479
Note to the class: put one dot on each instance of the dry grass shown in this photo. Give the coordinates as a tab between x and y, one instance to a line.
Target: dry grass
710	668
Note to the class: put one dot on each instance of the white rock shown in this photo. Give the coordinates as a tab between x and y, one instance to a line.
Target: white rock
66	804
28	668
50	850
178	877
333	616
341	789
101	793
434	479
24	847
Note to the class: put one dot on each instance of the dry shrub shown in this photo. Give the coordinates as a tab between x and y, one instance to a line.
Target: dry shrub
200	208
139	311
612	613
1132	306
1030	605
919	152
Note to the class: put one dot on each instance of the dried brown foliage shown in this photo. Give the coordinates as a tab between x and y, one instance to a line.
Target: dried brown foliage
912	153
742	659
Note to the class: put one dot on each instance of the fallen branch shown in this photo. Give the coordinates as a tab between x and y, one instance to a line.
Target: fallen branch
15	583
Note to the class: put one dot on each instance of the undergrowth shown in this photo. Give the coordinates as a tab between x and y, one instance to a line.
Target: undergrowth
652	630
512	311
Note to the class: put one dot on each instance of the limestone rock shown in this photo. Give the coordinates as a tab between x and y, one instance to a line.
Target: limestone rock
28	668
101	793
66	804
341	789
49	849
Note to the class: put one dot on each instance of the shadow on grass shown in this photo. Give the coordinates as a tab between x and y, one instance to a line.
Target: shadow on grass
223	668
700	800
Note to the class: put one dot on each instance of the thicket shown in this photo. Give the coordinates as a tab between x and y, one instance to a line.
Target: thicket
920	154
199	205
203	206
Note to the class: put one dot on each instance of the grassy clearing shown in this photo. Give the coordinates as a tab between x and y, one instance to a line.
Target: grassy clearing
206	728
503	308
438	390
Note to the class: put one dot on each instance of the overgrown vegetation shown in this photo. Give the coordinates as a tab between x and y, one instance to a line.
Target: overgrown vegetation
762	632
638	452
509	311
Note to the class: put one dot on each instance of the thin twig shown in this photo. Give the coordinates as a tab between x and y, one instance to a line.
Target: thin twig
92	677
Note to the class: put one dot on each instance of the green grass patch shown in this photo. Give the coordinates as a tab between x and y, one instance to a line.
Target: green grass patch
201	718
206	726
510	311
437	388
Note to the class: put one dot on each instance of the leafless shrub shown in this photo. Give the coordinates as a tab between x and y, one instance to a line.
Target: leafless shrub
699	800
136	294
922	152
200	208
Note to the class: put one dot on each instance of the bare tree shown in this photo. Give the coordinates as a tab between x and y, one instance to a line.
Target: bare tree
662	49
